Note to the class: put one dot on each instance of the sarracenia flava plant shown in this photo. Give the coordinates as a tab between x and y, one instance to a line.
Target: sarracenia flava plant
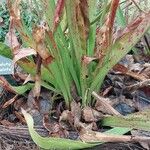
76	44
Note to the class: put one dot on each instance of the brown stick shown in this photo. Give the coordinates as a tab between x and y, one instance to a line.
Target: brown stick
37	87
92	136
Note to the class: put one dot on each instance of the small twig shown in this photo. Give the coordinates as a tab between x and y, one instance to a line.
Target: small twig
146	41
37	87
105	103
92	136
9	102
138	85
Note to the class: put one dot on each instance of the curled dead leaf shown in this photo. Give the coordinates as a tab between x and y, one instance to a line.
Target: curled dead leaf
20	103
121	68
38	34
52	127
4	83
39	37
7	123
23	52
86	60
103	105
67	116
9	102
91	115
76	113
28	78
145	145
11	40
20	117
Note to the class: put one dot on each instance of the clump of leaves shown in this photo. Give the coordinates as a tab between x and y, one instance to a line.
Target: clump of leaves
75	45
75	54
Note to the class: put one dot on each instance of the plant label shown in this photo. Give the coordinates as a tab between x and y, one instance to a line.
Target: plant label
6	66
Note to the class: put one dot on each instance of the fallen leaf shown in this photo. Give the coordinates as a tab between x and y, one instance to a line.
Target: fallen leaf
32	103
7	123
67	116
11	40
20	103
136	67
86	60
103	105
91	115
50	143
107	90
4	83
54	128
126	71
23	52
145	145
51	127
76	113
20	117
28	78
9	102
88	115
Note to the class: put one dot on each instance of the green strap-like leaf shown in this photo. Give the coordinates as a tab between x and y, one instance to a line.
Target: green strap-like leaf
63	144
138	120
5	51
121	20
23	88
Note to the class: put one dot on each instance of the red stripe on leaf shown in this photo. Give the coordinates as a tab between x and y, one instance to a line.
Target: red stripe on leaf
58	13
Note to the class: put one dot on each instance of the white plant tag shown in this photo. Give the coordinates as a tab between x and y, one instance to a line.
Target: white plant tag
6	66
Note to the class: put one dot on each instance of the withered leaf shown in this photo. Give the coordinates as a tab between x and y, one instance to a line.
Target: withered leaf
58	13
9	102
23	52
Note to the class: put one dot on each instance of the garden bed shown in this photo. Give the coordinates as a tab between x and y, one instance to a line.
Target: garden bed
80	78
